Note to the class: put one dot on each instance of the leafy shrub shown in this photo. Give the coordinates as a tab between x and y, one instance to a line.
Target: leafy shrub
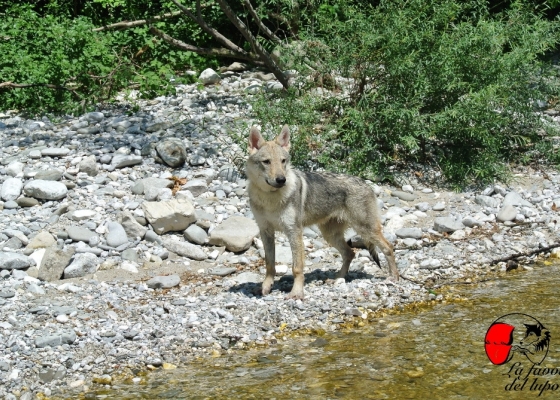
70	67
440	82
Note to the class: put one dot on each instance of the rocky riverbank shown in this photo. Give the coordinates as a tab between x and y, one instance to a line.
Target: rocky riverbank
126	242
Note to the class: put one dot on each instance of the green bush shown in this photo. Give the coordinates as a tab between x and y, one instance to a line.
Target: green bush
440	82
70	67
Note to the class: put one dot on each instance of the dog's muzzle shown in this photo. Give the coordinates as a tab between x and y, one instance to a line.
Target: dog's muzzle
279	182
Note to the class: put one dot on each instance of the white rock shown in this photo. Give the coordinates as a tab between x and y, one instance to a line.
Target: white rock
515	199
80	215
407	188
15	169
83	264
55	152
38	255
129	266
125	160
395	211
34	154
458	235
209	76
185	249
420	214
394	224
68	287
62	318
11	189
45	190
281	269
507	213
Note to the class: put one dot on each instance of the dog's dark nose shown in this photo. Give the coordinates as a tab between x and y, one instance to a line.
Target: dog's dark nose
281	180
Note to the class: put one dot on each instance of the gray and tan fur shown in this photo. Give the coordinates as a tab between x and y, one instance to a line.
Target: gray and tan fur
287	200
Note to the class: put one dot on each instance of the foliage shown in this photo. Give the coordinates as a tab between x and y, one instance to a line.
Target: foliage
440	82
87	67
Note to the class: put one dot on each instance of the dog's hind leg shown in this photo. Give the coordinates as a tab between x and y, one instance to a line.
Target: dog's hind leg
333	232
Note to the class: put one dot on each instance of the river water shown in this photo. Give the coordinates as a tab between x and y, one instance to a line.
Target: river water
437	352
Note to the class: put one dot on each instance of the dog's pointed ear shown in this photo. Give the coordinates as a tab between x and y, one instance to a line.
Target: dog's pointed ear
283	139
256	140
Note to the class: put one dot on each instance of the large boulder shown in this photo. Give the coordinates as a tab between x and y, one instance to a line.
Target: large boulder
235	233
172	152
45	190
54	262
172	215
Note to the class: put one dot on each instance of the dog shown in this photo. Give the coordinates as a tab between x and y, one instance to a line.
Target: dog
285	199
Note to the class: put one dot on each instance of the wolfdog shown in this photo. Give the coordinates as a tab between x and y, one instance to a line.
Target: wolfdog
285	199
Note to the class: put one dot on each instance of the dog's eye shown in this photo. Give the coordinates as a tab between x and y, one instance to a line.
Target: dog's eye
266	162
284	161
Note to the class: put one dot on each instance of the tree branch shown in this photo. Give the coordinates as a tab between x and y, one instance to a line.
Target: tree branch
208	29
260	24
132	24
261	52
11	85
203	50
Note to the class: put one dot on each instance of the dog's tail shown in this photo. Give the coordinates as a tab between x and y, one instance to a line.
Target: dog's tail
374	255
371	250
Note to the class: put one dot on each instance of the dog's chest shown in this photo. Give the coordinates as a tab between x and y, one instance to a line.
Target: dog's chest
268	210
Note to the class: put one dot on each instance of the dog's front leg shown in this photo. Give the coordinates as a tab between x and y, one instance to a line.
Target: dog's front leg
267	236
295	236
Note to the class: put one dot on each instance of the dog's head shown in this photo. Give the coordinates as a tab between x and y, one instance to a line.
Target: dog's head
269	161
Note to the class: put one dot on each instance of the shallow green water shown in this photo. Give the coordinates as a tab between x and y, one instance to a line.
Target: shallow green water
437	353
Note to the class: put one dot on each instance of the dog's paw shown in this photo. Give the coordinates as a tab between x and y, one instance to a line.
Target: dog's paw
393	278
297	295
266	287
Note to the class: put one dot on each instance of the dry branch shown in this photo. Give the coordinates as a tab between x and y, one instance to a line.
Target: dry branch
208	29
525	254
218	52
262	53
260	24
